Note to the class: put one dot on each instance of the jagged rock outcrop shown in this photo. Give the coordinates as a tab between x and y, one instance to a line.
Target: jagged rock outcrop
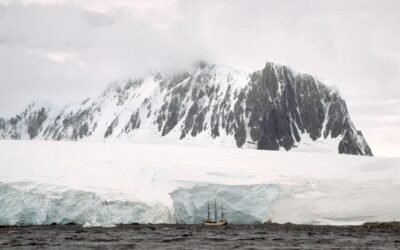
275	108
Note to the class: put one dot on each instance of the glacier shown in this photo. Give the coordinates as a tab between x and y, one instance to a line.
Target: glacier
244	204
94	183
37	203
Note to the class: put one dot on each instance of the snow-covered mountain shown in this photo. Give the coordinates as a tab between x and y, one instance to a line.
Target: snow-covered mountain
274	108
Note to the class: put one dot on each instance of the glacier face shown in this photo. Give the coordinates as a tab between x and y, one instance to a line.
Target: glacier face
242	204
39	203
274	108
96	183
32	203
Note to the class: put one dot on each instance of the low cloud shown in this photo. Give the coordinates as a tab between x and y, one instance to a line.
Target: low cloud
56	56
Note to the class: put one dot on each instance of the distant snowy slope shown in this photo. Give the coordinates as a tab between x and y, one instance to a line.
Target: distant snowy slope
109	183
274	108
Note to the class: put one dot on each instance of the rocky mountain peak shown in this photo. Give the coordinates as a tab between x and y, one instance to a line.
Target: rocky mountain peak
274	108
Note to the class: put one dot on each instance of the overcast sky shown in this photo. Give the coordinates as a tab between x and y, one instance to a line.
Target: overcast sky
65	50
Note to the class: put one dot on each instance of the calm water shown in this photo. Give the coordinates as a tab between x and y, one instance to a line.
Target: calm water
267	236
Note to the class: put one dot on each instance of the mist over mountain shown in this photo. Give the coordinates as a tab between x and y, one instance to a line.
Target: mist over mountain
274	108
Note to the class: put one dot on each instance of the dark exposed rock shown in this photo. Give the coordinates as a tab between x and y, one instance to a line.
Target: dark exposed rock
172	116
349	145
2	124
270	132
110	128
134	122
35	122
189	121
82	131
14	121
198	122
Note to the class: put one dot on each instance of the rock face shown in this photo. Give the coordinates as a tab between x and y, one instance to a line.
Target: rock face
275	108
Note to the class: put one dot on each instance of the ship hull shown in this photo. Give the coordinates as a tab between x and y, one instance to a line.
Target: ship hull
215	223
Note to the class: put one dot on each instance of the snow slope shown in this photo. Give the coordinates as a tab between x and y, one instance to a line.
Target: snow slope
107	183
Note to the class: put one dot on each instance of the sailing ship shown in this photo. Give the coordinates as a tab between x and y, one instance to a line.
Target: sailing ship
215	222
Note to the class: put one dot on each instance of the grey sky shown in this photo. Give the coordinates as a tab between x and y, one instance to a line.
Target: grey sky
65	50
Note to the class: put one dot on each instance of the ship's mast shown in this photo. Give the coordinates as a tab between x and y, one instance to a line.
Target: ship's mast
215	210
208	211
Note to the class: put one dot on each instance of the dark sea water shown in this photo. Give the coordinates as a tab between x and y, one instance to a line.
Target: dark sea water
265	236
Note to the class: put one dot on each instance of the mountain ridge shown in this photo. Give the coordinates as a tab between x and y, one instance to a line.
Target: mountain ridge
273	108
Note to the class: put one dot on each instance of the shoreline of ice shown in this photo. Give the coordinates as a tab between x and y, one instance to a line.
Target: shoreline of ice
111	183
